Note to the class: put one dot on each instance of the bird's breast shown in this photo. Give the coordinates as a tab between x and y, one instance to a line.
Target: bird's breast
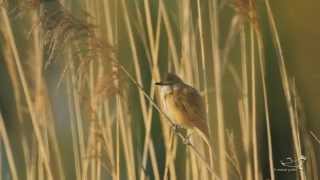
175	112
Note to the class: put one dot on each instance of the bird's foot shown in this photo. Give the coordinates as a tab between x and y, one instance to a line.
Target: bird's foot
187	140
175	128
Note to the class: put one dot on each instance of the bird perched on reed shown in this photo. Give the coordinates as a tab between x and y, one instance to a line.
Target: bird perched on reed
184	105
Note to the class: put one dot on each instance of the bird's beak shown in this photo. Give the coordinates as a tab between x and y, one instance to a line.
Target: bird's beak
162	84
159	83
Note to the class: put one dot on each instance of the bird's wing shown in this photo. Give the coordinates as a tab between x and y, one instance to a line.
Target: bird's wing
191	103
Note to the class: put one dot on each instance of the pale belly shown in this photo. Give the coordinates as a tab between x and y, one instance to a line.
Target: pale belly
176	114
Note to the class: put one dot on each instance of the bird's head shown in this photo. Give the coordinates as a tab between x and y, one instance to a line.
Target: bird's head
170	80
170	83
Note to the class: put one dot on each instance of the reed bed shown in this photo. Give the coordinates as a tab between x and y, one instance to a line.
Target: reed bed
101	117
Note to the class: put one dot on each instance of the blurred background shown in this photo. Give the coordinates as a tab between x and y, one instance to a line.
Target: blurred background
298	36
299	31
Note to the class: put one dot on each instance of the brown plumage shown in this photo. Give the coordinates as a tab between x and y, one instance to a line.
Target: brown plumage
183	104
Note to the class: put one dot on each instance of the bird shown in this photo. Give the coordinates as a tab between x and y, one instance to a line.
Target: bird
184	105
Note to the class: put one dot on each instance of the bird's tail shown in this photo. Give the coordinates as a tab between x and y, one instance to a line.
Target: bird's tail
205	136
203	131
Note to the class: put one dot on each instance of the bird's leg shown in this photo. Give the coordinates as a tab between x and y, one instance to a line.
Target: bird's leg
175	127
